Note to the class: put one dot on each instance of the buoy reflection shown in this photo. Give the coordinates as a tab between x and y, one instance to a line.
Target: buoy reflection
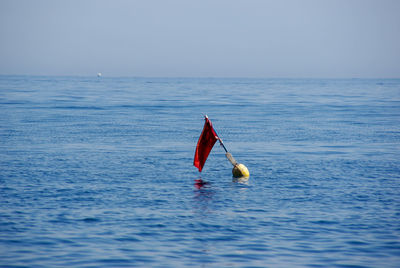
243	180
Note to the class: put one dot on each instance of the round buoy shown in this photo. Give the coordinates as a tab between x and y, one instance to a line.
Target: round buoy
240	171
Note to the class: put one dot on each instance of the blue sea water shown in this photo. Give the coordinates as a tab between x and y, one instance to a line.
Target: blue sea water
98	172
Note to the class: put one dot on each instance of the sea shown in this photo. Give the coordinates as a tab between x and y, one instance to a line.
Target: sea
98	172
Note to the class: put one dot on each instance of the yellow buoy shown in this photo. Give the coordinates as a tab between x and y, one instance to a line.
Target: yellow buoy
240	171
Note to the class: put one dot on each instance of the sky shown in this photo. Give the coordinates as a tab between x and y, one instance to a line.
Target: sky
208	38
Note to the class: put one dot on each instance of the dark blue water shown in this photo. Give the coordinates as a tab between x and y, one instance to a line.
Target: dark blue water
97	172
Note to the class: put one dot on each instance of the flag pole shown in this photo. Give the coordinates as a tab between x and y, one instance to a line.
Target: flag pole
227	154
219	139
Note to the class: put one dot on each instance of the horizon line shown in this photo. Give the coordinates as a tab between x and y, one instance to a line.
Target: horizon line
196	77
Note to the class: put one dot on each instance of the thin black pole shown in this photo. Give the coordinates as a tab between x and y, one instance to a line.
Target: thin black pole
220	140
222	144
228	154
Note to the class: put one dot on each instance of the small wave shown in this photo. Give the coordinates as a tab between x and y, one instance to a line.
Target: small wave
90	219
127	239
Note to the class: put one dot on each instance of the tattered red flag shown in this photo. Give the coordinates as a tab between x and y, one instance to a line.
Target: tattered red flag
206	142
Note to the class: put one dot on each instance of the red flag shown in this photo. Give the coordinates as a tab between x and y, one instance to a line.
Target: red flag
206	142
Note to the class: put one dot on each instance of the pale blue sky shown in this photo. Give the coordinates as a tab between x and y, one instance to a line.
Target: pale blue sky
218	38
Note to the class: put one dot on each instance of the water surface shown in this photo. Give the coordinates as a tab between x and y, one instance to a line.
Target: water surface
97	172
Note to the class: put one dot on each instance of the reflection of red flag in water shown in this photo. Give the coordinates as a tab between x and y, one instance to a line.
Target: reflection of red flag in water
206	142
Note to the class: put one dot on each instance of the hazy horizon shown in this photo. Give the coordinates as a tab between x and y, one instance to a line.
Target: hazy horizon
217	39
102	76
